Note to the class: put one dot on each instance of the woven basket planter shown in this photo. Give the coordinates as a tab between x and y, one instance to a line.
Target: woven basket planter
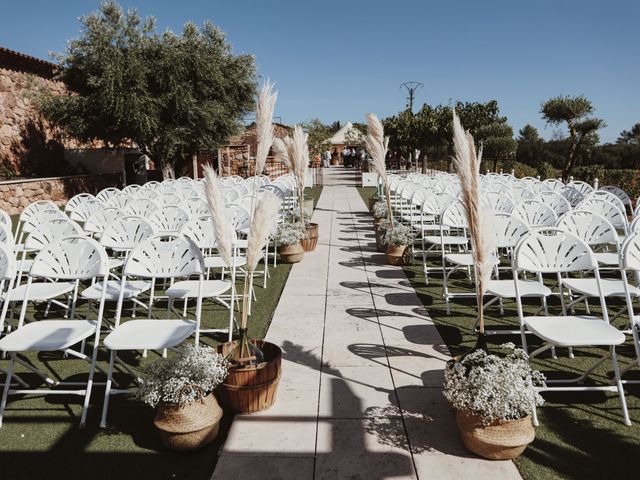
189	426
398	255
291	253
252	388
503	440
310	240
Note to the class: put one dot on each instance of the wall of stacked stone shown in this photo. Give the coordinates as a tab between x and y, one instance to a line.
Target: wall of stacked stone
19	117
17	194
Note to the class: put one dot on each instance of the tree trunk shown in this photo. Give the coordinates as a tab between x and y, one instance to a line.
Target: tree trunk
424	163
571	154
168	170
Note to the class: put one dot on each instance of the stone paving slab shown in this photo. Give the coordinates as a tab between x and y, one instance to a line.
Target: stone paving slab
361	393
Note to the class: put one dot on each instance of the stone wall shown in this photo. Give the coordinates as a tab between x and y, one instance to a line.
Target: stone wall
29	146
17	194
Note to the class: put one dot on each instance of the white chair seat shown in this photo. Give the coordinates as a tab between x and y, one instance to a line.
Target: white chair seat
41	291
589	287
241	243
446	240
48	335
149	334
574	331
189	288
25	265
115	263
216	261
463	259
608	258
507	288
412	217
132	288
430	227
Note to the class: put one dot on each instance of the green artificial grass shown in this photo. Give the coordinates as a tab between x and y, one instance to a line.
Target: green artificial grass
40	437
581	434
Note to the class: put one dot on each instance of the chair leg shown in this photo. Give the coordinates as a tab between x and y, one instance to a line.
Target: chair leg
616	372
7	386
87	394
107	390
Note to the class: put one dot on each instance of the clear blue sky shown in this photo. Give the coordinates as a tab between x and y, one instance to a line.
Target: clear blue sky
337	60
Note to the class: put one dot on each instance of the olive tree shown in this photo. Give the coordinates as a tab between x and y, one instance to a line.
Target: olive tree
171	95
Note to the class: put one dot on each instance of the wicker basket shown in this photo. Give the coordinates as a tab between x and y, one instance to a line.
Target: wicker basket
252	388
189	426
310	240
503	440
398	255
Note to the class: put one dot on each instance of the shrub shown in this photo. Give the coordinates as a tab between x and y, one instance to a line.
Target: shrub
380	209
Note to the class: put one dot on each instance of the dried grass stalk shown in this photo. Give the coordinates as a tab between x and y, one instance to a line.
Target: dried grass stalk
294	152
480	221
222	228
264	124
377	145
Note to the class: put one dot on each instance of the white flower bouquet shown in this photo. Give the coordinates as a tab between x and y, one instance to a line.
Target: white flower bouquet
189	375
494	388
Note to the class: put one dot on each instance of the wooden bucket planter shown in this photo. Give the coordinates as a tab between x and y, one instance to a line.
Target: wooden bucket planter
291	253
310	241
189	426
252	388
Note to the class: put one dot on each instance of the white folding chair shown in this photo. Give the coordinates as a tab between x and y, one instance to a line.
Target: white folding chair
168	219
630	262
555	251
155	258
72	259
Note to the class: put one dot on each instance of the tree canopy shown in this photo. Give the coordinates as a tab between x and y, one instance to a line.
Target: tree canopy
171	95
573	112
630	137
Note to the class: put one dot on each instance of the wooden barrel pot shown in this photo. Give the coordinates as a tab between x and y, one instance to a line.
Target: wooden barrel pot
397	255
291	253
252	388
310	240
188	427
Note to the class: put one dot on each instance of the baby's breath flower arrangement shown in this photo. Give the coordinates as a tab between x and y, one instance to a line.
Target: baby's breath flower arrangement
193	372
380	209
289	233
492	387
401	235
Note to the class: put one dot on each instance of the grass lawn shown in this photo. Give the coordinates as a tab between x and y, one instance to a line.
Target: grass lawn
581	435
40	437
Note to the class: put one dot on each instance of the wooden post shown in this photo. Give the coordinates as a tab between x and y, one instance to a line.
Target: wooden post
228	163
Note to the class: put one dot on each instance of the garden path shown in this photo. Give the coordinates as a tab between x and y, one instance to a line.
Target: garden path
360	395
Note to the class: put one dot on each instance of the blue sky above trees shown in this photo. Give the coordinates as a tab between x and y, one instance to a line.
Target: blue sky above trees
337	60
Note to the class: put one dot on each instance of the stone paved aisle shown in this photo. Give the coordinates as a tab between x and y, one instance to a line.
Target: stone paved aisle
360	396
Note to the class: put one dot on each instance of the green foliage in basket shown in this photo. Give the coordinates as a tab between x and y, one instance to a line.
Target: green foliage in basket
400	235
494	387
289	233
189	375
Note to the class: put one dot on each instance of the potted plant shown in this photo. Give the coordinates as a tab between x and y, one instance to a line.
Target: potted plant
399	240
380	212
381	234
181	388
288	237
493	398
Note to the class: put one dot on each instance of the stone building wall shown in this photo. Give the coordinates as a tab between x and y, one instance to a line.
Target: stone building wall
17	194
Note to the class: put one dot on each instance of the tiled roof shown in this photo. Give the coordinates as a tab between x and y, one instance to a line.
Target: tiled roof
13	60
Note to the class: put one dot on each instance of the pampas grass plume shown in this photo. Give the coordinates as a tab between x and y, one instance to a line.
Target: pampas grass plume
222	228
264	218
264	124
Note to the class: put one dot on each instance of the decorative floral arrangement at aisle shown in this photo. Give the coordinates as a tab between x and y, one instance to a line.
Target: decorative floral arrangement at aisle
180	387
380	209
492	387
377	145
188	376
289	233
493	398
401	235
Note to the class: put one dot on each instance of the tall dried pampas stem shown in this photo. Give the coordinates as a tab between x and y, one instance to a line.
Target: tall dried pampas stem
262	223
294	152
377	145
483	238
264	124
222	228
